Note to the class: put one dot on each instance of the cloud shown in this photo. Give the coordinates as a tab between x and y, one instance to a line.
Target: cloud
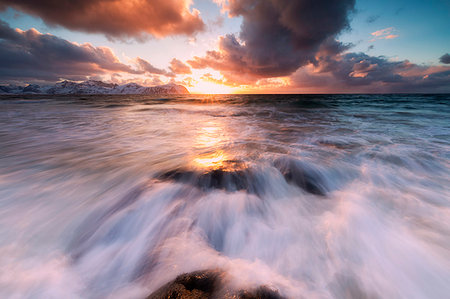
147	67
116	18
359	72
386	33
372	18
285	46
445	58
31	55
276	38
178	67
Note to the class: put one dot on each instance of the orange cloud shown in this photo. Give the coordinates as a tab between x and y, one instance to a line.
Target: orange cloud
391	36
178	67
116	18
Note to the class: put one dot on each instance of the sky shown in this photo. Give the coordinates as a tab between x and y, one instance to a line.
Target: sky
231	46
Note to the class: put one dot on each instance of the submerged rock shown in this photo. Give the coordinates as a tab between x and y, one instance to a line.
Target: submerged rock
302	175
295	172
208	284
223	179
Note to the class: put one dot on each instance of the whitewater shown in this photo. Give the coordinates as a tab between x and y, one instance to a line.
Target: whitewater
314	196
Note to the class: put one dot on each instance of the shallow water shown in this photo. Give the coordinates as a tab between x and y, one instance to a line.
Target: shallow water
320	196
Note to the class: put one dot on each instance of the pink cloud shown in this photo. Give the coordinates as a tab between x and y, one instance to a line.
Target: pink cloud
386	33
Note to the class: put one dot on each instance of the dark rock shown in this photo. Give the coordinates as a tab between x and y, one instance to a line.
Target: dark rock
262	292
302	175
229	180
225	180
194	285
299	173
208	284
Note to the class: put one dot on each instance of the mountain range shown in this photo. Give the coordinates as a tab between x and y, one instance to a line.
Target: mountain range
93	87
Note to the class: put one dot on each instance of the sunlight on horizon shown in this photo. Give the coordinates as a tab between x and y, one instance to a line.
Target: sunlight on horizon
205	87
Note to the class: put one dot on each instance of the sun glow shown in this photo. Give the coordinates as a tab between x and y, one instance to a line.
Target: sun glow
205	87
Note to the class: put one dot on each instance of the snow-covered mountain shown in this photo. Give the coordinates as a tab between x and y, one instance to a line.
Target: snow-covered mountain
93	87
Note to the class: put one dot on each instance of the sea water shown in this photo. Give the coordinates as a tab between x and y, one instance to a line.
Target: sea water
316	196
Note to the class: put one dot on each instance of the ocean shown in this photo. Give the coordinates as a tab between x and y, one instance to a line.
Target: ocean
314	196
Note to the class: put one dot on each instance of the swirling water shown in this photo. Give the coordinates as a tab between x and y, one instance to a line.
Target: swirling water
319	196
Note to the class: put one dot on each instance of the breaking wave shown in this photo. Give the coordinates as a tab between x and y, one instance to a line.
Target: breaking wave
315	197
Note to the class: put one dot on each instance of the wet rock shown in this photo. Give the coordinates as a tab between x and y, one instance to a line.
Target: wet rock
262	292
294	172
302	175
194	285
208	284
228	180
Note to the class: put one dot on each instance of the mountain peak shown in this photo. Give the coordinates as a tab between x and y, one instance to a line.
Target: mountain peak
95	87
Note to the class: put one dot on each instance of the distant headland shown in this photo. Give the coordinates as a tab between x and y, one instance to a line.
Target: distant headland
93	87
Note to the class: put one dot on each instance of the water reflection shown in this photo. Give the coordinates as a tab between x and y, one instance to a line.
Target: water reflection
85	213
210	146
211	135
211	161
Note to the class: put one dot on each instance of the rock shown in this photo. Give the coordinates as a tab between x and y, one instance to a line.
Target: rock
194	285
262	292
295	172
208	284
303	175
223	179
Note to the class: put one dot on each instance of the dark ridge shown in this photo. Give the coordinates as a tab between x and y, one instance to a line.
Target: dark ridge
208	284
302	175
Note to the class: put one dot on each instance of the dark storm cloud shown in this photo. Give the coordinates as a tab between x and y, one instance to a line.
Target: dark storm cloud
277	37
31	55
115	18
362	69
445	58
359	72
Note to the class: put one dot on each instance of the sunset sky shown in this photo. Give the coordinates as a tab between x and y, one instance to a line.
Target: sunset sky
235	46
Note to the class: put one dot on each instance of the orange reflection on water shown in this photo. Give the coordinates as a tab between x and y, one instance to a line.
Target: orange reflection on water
215	160
210	146
210	136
